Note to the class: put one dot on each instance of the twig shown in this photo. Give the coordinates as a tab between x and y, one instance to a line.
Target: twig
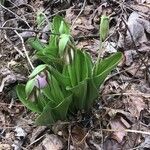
82	37
136	94
16	48
30	30
128	130
24	49
69	136
35	141
79	13
14	14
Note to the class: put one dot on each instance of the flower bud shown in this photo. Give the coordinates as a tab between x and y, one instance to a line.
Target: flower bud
41	81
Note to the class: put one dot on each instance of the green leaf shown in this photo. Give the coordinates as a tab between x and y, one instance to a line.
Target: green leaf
85	67
37	70
52	48
52	114
40	18
92	93
64	38
61	28
78	60
105	67
56	23
64	80
29	86
56	91
89	64
48	59
59	25
36	44
33	106
79	94
2	2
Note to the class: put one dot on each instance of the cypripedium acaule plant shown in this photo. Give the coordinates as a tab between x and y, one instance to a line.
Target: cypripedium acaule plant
69	80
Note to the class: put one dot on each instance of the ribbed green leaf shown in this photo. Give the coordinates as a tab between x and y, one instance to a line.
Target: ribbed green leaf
36	44
59	27
92	94
105	67
27	102
79	95
64	38
51	115
29	86
72	69
37	70
64	80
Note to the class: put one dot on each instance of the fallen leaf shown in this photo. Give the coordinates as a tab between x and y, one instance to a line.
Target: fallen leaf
52	142
119	125
4	146
136	105
137	27
20	132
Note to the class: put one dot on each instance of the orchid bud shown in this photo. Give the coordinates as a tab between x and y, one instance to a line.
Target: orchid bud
104	27
41	81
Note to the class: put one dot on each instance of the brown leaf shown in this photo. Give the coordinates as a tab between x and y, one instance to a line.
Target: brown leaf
136	105
52	142
4	146
120	125
78	134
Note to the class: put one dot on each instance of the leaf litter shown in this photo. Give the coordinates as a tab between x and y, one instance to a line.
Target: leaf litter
124	100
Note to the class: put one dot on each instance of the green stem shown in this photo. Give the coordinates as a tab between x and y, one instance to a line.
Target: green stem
99	54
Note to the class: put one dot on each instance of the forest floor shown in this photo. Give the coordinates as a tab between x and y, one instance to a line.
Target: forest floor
121	116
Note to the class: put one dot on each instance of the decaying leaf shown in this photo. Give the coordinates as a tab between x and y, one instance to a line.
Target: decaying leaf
136	105
119	125
137	27
52	142
5	146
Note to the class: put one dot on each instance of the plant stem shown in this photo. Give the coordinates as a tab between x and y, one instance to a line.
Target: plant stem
99	53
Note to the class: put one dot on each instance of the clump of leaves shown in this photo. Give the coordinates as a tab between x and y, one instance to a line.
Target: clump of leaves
68	81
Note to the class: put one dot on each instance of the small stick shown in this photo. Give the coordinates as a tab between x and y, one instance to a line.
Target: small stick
14	14
128	130
79	13
30	30
24	49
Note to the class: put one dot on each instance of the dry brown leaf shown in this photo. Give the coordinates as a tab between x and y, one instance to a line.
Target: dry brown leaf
143	1
136	105
78	135
118	124
52	142
4	146
145	9
137	26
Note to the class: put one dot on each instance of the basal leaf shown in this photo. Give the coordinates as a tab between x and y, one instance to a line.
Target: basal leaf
56	91
64	80
56	23
28	103
29	86
79	94
37	70
60	26
40	18
36	44
52	114
105	67
92	93
64	38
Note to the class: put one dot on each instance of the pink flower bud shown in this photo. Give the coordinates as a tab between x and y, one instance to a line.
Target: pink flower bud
40	81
